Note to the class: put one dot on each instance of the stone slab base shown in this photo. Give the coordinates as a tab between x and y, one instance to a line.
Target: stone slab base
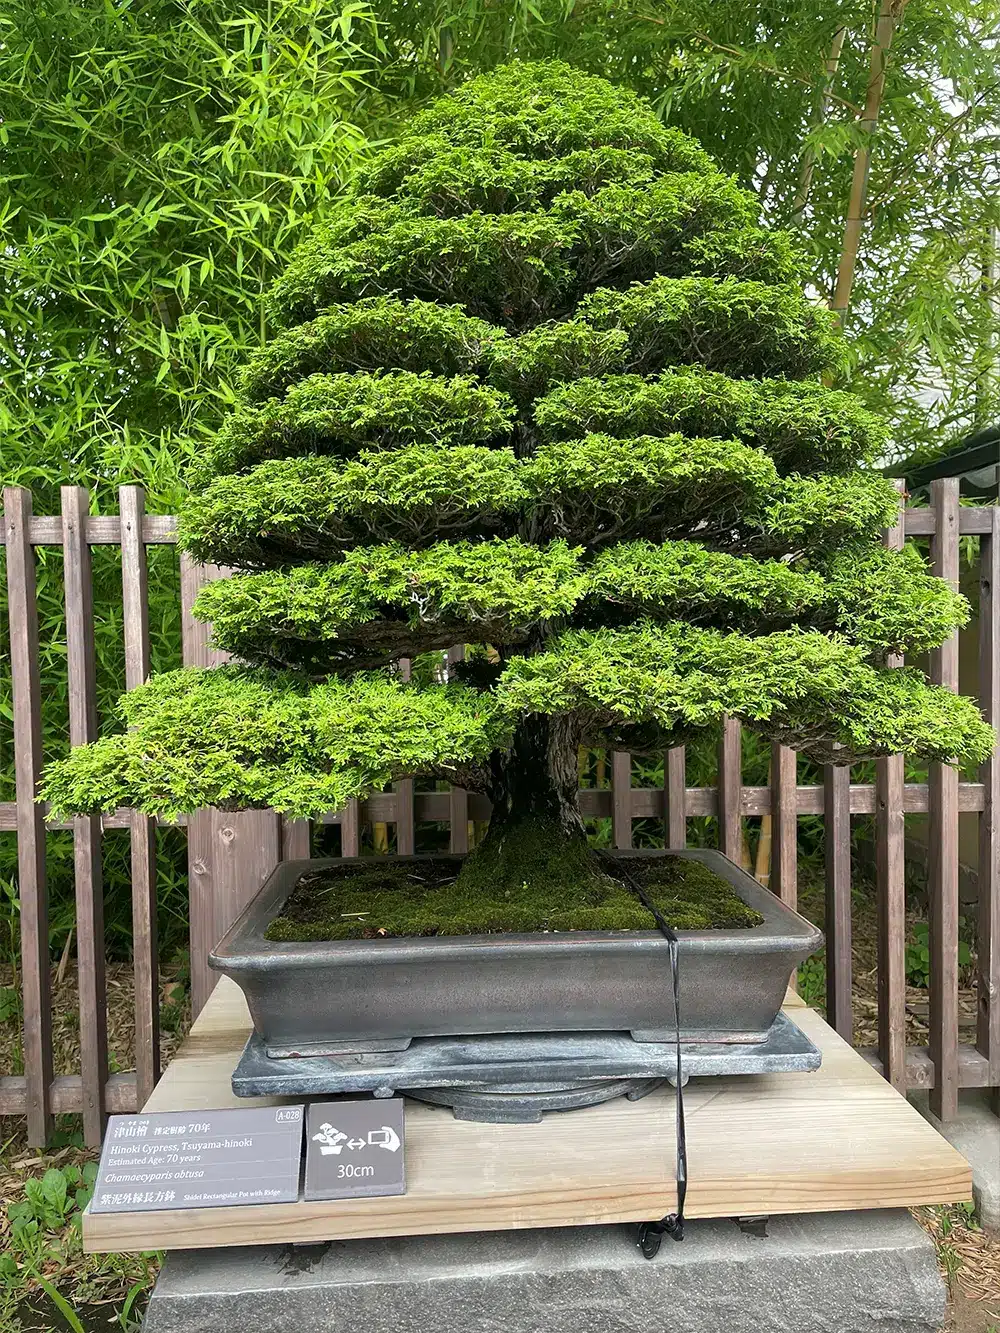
870	1272
975	1132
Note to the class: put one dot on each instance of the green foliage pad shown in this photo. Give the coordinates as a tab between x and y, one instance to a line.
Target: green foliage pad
545	385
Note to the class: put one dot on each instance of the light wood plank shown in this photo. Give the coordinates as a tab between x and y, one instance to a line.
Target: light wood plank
22	607
83	728
836	1139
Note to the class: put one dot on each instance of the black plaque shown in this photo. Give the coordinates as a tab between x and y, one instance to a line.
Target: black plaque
354	1149
199	1159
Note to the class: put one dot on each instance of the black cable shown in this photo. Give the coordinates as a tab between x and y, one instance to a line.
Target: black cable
652	1233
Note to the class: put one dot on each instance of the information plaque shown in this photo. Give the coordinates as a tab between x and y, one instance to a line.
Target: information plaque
199	1159
354	1149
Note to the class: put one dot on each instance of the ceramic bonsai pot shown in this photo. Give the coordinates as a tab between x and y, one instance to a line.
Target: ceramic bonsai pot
328	997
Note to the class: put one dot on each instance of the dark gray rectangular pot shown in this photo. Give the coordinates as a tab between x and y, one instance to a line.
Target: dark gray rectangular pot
324	997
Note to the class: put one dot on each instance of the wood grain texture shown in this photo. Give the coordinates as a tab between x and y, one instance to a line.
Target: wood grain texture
891	889
296	839
142	829
675	798
230	854
83	728
784	832
837	858
839	1138
730	790
36	995
621	798
404	814
943	848
458	797
988	961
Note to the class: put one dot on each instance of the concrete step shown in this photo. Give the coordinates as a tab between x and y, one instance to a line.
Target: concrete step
864	1272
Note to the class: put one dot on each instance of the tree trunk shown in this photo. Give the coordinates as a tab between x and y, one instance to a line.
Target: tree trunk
536	835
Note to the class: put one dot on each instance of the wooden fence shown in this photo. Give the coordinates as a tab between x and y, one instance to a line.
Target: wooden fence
230	855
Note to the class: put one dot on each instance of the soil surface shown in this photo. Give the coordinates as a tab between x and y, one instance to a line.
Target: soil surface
407	898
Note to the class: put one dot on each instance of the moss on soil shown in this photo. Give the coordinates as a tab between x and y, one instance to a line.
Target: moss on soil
424	898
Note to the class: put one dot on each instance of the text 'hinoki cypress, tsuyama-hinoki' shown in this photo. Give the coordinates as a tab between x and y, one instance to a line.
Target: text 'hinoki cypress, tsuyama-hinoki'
546	388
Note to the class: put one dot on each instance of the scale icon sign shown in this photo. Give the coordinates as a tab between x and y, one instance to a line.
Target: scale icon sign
333	1141
355	1149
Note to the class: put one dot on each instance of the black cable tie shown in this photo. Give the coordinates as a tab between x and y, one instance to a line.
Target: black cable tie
651	1233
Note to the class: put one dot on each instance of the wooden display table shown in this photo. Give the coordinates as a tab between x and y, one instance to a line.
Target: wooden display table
840	1138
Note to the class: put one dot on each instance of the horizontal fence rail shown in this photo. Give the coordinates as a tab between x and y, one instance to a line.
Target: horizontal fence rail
230	855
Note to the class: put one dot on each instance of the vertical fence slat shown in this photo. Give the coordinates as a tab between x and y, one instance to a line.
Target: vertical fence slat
81	669
296	839
784	824
458	804
201	888
230	854
675	797
33	890
621	798
837	854
891	891
943	806
730	790
988	933
406	830
142	829
350	829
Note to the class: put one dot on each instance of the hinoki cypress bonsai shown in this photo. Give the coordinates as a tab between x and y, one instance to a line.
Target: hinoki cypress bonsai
544	387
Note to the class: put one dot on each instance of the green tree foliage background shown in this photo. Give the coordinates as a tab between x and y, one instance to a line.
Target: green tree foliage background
160	159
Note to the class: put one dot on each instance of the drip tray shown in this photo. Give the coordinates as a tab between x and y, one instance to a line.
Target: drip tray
516	1077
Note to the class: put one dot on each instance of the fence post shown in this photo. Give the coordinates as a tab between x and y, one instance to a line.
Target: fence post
36	977
81	667
837	855
675	797
229	854
784	824
621	798
730	790
988	963
142	829
891	890
943	807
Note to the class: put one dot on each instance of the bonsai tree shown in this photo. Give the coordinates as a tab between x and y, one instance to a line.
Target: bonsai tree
543	386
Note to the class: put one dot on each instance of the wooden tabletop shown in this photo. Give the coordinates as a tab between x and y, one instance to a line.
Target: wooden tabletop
839	1138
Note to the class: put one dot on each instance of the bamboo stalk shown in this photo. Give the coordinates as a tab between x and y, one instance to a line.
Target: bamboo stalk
890	15
822	111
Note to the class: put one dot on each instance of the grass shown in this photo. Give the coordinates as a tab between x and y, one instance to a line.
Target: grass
47	1283
44	1274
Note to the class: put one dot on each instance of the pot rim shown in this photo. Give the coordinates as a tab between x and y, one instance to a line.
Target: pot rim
244	947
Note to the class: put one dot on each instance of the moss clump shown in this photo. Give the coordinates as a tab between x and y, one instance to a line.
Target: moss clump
409	898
